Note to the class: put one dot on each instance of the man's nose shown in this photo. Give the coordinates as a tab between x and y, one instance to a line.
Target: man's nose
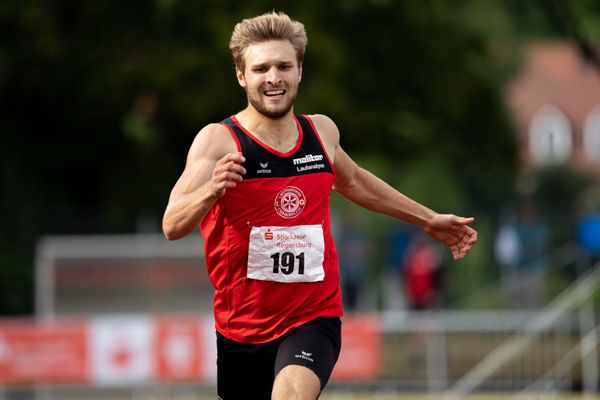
274	76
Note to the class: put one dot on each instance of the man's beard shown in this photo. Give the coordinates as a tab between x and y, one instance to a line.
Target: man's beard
278	113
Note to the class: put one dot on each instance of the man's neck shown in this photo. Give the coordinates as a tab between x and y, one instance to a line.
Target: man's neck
281	134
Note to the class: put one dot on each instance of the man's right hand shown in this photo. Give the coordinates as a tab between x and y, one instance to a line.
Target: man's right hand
227	172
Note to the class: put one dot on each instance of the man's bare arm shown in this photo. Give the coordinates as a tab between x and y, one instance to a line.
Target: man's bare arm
367	190
213	166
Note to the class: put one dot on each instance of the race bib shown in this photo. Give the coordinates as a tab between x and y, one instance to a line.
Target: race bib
286	254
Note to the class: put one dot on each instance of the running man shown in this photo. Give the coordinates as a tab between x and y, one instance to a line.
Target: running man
258	185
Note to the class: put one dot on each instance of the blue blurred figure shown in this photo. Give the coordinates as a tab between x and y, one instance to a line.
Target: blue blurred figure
354	254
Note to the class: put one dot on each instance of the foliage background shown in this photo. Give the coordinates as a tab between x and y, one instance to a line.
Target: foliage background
100	101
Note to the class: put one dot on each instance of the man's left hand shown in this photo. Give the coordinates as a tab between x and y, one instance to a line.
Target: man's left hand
454	231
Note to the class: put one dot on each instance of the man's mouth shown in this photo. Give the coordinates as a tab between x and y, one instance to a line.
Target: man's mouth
273	93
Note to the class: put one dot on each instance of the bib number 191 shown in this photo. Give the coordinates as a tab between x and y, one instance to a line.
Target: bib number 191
286	254
286	263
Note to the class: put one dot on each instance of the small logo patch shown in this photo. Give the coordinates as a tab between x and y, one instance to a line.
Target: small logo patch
290	202
264	168
305	356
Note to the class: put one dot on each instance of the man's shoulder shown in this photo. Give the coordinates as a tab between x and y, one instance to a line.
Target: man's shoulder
215	131
325	126
214	138
321	119
213	128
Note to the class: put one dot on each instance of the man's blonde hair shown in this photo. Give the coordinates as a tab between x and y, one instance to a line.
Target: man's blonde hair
269	26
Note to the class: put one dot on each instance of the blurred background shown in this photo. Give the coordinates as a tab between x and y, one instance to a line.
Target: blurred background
483	108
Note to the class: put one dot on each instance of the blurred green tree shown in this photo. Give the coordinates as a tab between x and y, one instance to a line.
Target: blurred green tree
101	100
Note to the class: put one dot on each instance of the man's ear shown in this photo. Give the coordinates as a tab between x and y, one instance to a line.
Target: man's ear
299	73
240	77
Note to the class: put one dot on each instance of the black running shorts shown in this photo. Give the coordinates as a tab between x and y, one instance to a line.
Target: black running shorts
247	371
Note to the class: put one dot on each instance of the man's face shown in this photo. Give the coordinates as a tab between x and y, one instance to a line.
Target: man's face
271	77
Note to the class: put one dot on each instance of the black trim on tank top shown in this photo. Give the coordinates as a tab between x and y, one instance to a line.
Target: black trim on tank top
309	158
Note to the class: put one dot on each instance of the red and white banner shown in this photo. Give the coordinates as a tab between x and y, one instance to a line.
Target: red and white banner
43	352
360	357
134	349
183	349
121	350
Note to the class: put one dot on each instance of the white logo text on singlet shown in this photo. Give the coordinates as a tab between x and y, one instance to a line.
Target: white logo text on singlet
308	159
286	254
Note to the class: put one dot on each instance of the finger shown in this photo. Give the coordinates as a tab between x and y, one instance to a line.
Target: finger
452	240
235	167
464	220
466	248
456	253
462	249
465	245
473	237
229	176
229	166
221	187
237	158
463	235
467	235
224	184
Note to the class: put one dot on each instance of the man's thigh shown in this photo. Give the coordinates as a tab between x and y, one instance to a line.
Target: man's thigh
245	371
314	345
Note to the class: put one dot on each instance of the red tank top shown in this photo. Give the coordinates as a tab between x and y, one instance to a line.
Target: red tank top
268	245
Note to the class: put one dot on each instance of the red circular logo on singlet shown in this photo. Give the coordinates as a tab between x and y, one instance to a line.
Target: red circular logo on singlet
289	202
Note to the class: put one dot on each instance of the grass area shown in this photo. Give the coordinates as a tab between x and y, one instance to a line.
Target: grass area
208	394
